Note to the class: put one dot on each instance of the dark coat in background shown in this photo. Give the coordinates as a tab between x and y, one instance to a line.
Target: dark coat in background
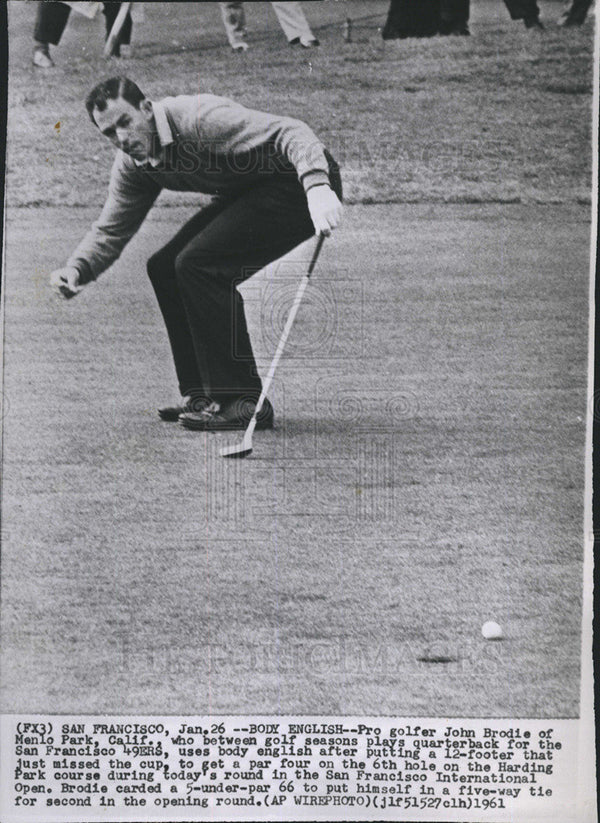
424	18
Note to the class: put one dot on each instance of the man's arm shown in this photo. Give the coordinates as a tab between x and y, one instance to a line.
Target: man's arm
230	128
130	197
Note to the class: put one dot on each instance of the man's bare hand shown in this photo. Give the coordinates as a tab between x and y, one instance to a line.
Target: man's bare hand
325	209
66	282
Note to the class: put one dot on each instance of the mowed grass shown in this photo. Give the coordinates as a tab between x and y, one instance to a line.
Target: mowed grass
425	476
426	470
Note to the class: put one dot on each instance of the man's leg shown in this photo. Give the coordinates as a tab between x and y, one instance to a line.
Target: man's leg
577	13
110	10
454	17
259	227
412	18
234	20
294	23
50	24
525	10
161	270
395	25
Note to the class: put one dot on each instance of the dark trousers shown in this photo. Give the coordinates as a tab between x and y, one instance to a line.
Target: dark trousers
195	277
110	11
424	18
51	22
522	9
52	18
578	11
412	18
454	13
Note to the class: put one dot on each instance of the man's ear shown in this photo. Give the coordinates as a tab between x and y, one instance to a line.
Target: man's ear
146	107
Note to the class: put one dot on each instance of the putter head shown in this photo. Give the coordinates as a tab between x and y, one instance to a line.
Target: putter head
241	450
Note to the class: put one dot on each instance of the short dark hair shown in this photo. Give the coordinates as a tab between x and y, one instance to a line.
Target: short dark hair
112	89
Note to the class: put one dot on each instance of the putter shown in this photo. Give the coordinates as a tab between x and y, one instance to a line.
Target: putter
244	448
111	40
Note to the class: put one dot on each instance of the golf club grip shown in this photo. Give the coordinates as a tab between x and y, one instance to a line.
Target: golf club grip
316	253
115	31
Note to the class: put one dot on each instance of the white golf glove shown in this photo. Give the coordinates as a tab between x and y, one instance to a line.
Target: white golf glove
66	281
325	209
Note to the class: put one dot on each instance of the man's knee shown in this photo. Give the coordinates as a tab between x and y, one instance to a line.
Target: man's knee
195	267
160	266
183	268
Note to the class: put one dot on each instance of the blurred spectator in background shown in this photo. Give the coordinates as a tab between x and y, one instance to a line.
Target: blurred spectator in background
424	18
454	17
525	10
51	21
234	19
291	19
577	13
412	18
294	24
123	47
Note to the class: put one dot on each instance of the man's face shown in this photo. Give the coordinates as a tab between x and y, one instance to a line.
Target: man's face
129	129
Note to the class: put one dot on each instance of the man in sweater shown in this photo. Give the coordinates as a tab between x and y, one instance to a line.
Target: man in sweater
274	185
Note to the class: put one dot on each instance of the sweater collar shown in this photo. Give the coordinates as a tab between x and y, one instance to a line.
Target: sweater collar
165	135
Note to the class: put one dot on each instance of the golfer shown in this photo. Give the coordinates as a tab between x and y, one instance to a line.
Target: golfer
273	186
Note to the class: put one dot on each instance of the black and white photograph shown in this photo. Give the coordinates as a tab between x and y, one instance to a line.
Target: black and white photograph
297	321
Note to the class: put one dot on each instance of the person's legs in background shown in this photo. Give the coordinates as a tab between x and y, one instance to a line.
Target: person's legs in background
110	10
234	20
576	13
294	24
525	10
454	17
412	18
50	24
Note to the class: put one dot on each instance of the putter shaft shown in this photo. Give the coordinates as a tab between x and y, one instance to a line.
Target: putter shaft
245	447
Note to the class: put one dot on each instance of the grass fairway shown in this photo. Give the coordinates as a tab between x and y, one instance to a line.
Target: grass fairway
426	470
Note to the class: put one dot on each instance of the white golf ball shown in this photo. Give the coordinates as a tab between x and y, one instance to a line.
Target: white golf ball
492	630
